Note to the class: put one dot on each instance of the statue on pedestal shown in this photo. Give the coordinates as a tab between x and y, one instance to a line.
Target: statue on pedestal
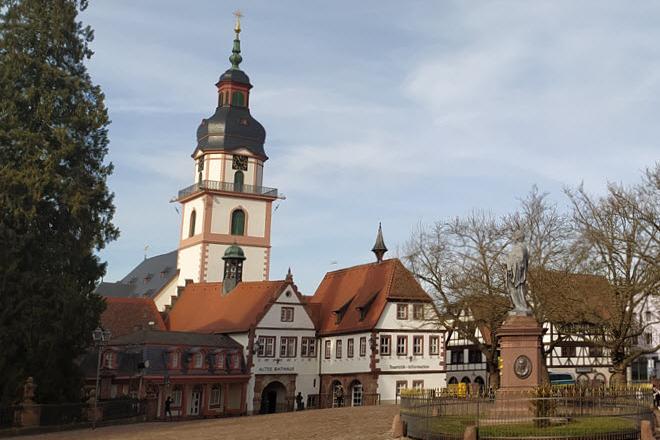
28	390
516	275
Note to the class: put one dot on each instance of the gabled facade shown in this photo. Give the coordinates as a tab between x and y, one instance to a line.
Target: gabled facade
271	320
377	335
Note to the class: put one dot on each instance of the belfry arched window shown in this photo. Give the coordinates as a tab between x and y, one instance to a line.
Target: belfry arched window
237	99
191	226
238	222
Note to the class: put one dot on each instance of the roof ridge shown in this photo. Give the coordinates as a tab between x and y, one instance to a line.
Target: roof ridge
357	266
129	299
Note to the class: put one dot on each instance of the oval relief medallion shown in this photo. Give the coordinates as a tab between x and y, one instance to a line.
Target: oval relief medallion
522	367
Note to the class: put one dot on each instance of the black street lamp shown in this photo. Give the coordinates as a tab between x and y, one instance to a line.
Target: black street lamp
101	338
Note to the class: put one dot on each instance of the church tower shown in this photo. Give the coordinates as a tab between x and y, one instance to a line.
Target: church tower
227	211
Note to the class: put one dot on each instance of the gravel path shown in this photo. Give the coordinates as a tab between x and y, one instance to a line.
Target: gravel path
363	423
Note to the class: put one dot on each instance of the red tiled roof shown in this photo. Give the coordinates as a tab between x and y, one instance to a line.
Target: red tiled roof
202	307
124	316
362	289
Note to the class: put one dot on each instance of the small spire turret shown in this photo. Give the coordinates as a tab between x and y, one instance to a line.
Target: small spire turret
379	247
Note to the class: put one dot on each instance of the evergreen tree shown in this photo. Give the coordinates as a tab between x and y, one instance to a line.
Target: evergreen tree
55	206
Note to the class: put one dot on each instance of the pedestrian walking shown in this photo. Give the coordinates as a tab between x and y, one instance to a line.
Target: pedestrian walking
168	408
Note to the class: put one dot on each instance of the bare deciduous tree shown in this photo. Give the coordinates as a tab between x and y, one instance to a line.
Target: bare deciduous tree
619	239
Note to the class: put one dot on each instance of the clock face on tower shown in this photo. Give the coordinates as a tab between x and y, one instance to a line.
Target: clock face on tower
239	162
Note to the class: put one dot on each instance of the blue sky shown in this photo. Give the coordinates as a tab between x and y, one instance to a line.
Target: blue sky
400	112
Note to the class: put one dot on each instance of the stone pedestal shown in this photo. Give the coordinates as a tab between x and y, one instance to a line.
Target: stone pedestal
520	348
30	415
522	364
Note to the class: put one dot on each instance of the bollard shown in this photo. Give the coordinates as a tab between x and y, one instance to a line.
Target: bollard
397	427
647	432
470	433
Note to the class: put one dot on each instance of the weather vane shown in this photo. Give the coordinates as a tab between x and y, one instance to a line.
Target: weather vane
238	14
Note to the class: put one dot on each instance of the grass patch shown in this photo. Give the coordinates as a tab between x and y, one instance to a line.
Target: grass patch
576	427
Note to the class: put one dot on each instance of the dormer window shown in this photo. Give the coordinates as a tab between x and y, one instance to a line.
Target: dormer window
340	312
108	360
364	308
198	360
174	360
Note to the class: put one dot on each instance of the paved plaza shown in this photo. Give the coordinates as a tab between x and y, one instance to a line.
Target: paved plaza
361	423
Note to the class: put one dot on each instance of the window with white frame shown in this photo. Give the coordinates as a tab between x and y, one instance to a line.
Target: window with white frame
328	349
216	394
286	314
350	347
177	394
401	385
174	359
308	347
434	345
220	361
402	311
198	360
418	311
108	359
288	346
418	345
363	346
401	345
385	345
338	348
266	346
418	384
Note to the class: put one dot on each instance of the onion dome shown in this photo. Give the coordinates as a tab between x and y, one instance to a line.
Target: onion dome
234	252
232	126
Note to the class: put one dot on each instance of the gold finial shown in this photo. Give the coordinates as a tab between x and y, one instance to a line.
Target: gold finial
238	14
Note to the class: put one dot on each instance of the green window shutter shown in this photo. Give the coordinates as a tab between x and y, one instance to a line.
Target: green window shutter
238	222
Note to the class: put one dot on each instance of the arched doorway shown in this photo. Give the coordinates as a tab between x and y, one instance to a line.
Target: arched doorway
453	381
337	394
466	380
273	398
599	380
479	384
356	393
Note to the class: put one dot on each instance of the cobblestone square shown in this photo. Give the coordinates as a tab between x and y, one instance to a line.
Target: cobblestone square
361	423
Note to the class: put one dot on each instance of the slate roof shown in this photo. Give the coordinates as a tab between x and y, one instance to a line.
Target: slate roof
155	346
358	295
159	337
231	128
202	307
147	279
124	316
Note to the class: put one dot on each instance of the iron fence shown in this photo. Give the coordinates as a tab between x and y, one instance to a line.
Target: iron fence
8	416
70	414
62	414
599	414
329	400
122	408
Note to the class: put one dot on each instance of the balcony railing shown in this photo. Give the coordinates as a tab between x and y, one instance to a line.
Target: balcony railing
215	185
